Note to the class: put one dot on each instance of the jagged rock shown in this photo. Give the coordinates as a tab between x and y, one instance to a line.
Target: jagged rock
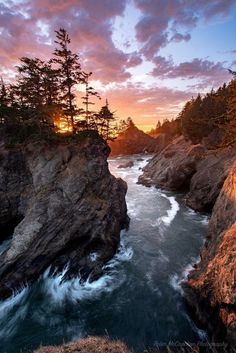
209	178
129	164
173	167
193	168
71	206
88	345
211	286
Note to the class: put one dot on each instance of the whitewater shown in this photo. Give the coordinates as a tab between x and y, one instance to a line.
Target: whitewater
138	299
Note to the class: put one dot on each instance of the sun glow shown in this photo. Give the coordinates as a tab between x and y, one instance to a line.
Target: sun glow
62	125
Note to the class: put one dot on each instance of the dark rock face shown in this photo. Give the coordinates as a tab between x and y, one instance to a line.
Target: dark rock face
126	165
71	207
193	168
210	178
15	183
211	286
173	168
134	141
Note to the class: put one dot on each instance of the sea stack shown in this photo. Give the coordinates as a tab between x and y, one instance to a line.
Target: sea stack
69	206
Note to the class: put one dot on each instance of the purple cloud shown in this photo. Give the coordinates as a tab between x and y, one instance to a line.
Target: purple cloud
211	73
165	19
28	28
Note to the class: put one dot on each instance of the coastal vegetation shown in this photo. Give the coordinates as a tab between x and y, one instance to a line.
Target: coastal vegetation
43	101
214	112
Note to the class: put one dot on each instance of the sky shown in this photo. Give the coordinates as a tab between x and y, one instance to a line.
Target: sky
148	57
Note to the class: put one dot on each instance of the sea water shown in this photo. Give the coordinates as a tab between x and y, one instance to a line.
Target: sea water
138	299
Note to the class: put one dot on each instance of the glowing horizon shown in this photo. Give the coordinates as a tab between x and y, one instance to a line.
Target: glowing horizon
147	57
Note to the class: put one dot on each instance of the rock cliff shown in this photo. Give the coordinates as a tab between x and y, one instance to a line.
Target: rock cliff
173	167
71	210
133	141
182	166
211	287
209	178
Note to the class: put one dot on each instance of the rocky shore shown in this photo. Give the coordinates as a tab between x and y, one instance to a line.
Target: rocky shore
211	287
209	179
68	207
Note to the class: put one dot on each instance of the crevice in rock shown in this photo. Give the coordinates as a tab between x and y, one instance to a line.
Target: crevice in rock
7	229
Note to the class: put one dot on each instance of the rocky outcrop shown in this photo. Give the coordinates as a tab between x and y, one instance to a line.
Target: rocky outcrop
134	141
209	178
88	345
182	166
174	167
211	287
71	207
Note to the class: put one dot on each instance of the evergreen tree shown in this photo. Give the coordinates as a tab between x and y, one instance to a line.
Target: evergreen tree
105	122
230	118
69	72
36	91
4	101
89	92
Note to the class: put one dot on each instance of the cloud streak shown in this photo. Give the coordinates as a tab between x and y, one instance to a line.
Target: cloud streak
27	29
161	20
211	73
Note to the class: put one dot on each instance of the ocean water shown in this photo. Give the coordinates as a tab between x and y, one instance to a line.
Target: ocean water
139	298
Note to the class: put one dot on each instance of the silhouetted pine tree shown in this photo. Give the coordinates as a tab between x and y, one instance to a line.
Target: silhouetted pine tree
69	72
105	122
4	102
230	117
89	92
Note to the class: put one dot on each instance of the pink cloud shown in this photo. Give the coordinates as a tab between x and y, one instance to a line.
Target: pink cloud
146	105
178	37
162	20
89	26
211	73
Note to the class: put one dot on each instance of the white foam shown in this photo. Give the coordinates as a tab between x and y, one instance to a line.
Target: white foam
16	298
59	290
175	283
172	212
93	256
176	280
12	311
205	220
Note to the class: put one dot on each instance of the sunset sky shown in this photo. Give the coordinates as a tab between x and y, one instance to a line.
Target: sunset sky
147	56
